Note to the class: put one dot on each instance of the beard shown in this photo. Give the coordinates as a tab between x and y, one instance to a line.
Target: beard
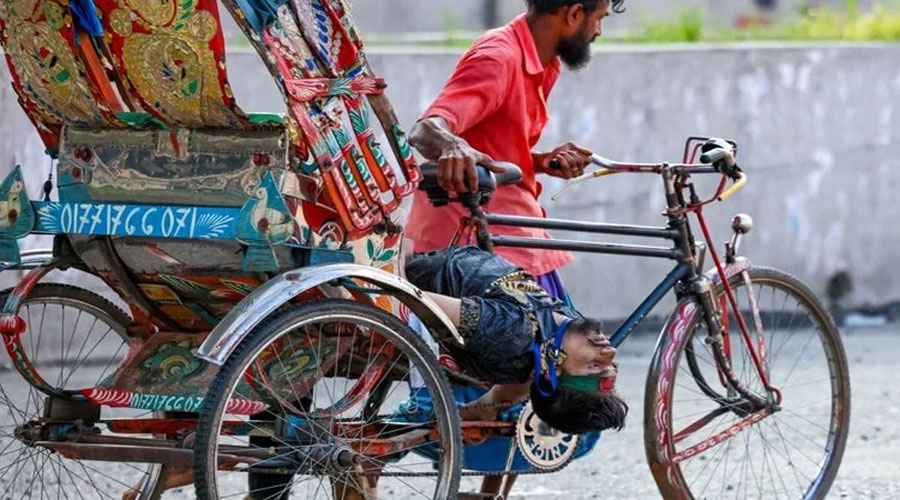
575	51
611	412
576	412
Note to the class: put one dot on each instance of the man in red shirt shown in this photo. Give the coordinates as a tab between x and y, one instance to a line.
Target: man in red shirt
494	108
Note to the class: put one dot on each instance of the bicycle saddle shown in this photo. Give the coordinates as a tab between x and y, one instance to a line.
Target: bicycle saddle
487	183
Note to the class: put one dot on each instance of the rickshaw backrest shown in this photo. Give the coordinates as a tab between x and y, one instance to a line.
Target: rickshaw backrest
170	56
123	88
316	56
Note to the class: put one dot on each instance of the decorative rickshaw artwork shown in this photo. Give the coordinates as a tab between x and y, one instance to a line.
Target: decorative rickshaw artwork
194	167
268	336
17	216
264	221
49	74
172	56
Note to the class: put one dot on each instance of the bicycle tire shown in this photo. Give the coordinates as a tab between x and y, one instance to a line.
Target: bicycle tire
668	465
85	302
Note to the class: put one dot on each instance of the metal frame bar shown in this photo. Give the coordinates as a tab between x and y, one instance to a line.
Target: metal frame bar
682	270
622	333
585	227
586	246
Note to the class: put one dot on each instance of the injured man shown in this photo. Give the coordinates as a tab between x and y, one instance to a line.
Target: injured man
518	339
522	341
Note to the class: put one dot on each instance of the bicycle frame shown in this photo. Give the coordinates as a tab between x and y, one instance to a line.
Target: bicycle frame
687	277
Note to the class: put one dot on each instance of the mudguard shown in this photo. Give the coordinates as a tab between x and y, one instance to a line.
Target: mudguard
278	291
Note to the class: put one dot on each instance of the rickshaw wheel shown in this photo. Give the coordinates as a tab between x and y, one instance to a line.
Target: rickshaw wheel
74	339
330	428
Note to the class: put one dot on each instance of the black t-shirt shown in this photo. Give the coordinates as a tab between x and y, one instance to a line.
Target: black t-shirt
504	310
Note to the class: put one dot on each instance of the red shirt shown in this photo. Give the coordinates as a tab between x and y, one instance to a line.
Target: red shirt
496	100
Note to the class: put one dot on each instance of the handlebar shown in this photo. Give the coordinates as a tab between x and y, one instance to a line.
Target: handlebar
715	161
738	185
714	156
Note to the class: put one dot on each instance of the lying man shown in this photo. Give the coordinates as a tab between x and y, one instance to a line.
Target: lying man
522	341
519	339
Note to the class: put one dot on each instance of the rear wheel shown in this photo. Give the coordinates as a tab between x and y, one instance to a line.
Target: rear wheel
703	440
313	404
73	339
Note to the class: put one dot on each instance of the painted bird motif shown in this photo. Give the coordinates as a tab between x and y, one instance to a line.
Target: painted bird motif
10	209
272	224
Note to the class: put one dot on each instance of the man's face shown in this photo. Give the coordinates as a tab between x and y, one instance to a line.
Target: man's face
589	354
575	47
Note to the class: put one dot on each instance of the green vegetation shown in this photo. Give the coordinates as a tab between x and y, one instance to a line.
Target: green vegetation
821	23
844	23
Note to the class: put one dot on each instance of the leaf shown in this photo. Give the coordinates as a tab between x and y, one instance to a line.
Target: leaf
370	248
192	87
387	255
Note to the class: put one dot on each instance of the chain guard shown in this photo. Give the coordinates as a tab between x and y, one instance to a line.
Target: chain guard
544	447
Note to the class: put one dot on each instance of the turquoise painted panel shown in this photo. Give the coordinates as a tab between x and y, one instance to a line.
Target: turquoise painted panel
265	220
150	221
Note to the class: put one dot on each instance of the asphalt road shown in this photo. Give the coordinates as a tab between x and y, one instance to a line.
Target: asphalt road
870	470
617	468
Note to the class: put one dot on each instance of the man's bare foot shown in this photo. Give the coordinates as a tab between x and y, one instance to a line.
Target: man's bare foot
132	493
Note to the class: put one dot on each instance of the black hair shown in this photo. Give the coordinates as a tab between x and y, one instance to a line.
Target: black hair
551	6
576	412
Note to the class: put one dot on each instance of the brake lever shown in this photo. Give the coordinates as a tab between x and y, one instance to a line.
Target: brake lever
596	159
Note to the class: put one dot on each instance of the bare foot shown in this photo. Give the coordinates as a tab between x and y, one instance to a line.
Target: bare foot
132	493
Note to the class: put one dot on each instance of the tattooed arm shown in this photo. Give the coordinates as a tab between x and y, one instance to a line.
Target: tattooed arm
456	159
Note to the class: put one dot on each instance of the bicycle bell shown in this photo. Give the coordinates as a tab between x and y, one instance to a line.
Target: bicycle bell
741	224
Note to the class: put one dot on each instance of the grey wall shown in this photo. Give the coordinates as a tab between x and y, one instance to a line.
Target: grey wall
819	128
819	131
387	20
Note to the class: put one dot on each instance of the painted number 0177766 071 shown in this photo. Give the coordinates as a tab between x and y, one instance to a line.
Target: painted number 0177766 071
153	221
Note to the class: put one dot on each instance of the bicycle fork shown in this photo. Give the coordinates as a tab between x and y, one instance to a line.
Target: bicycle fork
704	290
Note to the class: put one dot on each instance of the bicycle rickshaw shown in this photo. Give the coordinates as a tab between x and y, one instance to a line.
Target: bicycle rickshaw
265	344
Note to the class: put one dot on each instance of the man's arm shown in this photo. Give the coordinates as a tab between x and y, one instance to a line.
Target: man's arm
499	397
456	159
450	305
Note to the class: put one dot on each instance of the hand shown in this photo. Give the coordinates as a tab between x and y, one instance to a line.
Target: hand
571	159
456	167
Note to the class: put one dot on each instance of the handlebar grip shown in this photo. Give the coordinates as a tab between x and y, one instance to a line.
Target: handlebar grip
555	165
713	156
741	182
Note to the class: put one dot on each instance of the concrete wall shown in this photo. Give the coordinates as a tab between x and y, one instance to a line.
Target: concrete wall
818	126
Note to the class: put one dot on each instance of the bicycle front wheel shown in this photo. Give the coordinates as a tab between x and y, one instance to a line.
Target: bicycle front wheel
703	440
